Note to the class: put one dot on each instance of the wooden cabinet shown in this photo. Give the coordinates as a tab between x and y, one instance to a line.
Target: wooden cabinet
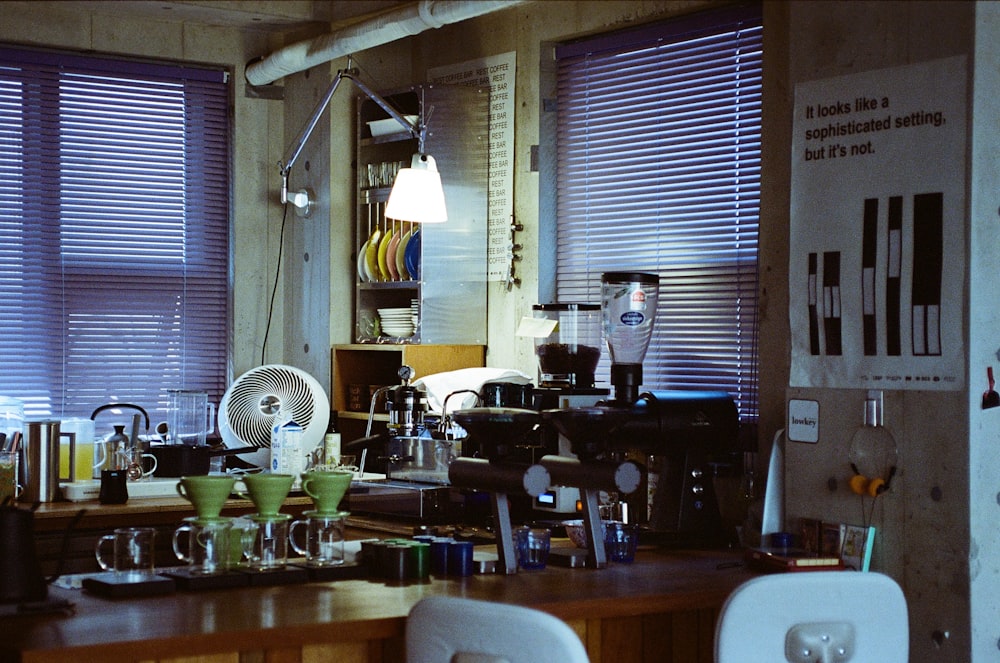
368	366
447	286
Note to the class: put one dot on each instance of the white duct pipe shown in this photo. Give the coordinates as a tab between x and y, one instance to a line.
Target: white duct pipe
397	24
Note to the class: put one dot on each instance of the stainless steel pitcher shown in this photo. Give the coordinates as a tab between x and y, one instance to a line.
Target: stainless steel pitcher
41	461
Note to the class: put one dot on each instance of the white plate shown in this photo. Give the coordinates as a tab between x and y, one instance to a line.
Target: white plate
362	269
389	126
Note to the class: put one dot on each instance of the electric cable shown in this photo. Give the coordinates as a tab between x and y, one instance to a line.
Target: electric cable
274	289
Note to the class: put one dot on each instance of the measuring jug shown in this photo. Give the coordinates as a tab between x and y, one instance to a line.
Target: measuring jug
190	417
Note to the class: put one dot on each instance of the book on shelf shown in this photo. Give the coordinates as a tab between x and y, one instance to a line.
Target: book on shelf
791	559
858	542
852	543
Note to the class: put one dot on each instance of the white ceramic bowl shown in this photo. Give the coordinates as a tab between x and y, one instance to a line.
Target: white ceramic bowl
577	533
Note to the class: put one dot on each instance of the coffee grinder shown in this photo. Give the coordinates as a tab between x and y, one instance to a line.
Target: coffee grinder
569	353
628	307
567	338
682	434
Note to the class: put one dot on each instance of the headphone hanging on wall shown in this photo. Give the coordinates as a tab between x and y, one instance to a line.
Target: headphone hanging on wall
872	487
873	455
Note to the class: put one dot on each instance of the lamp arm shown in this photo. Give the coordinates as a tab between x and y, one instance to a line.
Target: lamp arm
296	148
415	129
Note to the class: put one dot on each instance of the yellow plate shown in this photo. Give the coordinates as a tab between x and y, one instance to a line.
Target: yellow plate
371	255
401	259
383	251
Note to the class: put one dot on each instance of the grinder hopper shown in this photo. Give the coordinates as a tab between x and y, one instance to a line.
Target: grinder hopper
628	304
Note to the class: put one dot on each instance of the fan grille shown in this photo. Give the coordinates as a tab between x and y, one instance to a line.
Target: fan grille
250	404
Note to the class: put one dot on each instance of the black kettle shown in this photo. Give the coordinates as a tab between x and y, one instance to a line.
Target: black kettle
21	579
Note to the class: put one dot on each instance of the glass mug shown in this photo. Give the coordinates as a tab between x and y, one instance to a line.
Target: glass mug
269	549
324	538
132	551
134	462
10	489
203	544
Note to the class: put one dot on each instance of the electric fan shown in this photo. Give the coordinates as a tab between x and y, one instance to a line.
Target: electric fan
248	408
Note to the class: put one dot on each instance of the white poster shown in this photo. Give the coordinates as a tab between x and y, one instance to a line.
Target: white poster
497	73
877	241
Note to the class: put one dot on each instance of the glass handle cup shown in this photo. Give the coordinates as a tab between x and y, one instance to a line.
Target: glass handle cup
99	551
101	457
291	537
183	530
151	470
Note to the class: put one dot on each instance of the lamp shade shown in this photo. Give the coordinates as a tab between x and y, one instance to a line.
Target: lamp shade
417	194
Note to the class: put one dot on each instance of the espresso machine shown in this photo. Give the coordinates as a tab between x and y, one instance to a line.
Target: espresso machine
680	435
413	455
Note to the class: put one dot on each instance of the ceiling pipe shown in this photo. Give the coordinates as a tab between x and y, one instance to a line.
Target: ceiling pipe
397	24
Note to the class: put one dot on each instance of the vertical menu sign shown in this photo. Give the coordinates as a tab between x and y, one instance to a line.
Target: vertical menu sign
878	228
497	73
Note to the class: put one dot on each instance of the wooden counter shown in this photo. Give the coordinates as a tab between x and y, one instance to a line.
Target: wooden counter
663	608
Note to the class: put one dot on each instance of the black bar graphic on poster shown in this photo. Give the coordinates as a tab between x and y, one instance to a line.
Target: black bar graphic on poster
813	295
869	258
831	302
928	265
893	341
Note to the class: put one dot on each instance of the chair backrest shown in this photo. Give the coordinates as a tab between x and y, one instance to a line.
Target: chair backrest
814	616
444	629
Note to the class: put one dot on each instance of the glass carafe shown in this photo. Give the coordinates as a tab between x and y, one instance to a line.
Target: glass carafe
190	417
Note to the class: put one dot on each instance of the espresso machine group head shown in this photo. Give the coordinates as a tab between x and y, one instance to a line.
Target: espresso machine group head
588	430
498	431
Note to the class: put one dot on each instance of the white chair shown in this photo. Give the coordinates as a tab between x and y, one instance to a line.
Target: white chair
444	629
814	617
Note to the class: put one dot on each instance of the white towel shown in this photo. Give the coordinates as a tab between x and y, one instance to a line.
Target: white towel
439	385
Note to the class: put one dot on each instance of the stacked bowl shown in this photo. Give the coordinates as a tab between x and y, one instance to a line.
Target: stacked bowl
396	322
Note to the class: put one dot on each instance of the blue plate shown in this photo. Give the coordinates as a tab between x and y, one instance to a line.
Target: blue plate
412	256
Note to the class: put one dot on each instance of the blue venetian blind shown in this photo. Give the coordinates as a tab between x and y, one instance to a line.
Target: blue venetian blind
659	171
114	231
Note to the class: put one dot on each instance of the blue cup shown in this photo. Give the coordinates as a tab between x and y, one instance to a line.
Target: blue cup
460	558
533	546
620	542
439	556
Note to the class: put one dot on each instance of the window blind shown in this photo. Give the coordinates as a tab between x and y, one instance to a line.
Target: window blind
114	231
658	159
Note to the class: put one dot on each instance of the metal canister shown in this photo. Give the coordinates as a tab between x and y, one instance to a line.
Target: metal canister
41	461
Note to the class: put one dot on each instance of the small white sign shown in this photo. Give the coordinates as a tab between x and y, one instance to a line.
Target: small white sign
803	421
536	327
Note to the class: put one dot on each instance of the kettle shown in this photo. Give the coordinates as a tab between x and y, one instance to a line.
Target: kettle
21	579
